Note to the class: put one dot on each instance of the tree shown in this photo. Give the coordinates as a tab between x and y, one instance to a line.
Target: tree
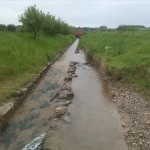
53	26
49	25
32	20
127	28
103	28
2	27
11	28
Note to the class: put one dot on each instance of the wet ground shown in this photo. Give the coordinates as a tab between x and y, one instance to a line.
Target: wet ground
95	123
33	117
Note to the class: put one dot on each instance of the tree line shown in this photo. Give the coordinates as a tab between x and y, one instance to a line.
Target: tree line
119	28
10	27
35	21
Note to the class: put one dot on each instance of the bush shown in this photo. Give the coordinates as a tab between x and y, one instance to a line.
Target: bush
2	27
11	28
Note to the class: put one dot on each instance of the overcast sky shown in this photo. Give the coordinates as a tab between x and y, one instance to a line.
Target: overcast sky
89	13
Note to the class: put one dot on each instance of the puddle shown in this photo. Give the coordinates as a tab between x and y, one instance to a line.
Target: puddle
95	123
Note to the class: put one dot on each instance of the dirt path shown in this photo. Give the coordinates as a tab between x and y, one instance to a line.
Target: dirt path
93	122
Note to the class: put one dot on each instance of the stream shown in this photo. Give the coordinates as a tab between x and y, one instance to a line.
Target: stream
95	123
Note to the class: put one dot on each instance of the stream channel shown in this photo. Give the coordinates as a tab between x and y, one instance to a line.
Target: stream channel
95	123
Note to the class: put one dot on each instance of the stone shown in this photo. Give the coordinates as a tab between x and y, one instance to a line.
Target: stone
69	93
77	51
66	119
62	96
23	89
74	75
29	85
72	65
66	87
4	109
65	103
68	77
18	93
60	110
71	70
74	62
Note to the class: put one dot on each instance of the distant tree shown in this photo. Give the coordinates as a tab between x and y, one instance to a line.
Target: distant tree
102	28
2	27
18	28
127	28
11	28
32	20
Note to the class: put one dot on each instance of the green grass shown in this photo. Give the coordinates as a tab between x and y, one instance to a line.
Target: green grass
128	59
22	57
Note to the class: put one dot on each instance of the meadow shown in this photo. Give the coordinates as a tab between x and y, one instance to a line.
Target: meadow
22	57
124	55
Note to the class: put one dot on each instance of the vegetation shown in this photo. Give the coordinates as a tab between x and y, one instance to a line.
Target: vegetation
124	55
11	28
34	21
130	27
21	57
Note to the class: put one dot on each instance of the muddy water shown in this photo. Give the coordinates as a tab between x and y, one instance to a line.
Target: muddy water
34	116
95	123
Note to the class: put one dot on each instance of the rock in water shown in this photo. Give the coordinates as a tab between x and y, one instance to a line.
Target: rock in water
66	87
62	95
68	76
60	110
71	70
74	75
66	119
69	93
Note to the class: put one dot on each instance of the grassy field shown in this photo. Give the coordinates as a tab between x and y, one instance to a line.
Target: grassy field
124	55
22	57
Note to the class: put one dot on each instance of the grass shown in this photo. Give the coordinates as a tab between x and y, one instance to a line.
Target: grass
22	57
124	55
